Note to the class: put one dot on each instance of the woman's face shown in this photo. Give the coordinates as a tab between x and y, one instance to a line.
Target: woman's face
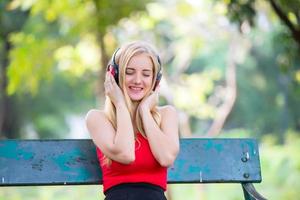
138	76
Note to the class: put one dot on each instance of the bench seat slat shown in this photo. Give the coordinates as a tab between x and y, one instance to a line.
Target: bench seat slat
216	160
74	162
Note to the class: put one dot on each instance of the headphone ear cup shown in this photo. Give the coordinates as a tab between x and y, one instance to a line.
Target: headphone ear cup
111	70
158	78
114	72
115	67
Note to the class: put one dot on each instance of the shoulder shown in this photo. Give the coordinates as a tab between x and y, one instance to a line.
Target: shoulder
94	115
169	120
167	110
96	121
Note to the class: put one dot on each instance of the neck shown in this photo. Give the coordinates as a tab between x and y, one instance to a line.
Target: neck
135	105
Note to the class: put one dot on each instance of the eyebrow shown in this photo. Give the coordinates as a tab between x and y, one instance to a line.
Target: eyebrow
142	70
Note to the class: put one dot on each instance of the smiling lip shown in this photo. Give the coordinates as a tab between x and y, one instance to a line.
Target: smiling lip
136	89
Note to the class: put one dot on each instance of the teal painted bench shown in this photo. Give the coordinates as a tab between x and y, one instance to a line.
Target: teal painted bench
74	162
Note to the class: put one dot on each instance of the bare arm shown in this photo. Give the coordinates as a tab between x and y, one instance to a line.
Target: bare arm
164	140
117	144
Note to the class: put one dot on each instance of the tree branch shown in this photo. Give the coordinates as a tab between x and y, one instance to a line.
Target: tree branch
286	21
231	92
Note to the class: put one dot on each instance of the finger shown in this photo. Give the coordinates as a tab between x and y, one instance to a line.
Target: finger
156	94
112	79
107	77
106	83
106	87
157	88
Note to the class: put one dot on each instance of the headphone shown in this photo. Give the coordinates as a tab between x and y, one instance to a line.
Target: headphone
113	68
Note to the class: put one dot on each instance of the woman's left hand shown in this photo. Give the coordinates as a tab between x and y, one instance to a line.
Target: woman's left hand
149	102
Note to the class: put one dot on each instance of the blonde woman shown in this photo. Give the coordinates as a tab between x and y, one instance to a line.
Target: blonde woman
136	139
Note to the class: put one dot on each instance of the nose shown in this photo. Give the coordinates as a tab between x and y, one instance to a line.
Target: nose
137	78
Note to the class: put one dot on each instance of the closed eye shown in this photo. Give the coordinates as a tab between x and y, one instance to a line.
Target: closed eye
147	74
129	71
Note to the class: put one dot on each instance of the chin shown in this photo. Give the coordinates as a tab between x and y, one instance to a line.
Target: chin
135	98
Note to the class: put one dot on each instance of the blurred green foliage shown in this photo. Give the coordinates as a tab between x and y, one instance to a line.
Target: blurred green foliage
58	43
57	46
281	167
266	94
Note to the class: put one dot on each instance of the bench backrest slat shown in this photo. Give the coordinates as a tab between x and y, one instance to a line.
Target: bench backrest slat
73	162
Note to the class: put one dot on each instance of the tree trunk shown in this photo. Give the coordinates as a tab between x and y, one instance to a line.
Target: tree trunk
3	83
102	69
8	117
100	32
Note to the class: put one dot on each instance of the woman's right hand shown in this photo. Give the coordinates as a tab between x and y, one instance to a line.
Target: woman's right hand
112	90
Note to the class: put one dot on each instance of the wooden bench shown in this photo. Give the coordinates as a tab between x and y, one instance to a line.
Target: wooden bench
74	162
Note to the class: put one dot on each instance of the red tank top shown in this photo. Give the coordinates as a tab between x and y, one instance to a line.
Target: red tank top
145	168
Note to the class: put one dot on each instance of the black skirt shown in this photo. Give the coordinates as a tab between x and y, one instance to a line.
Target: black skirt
135	191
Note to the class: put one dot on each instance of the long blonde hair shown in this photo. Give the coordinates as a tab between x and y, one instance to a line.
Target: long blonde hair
122	58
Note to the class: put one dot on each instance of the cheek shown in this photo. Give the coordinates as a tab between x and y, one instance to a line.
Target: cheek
149	81
127	80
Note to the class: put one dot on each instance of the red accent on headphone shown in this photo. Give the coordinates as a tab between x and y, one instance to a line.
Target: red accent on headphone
111	70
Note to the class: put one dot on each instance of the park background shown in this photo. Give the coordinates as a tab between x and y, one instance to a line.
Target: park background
230	67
